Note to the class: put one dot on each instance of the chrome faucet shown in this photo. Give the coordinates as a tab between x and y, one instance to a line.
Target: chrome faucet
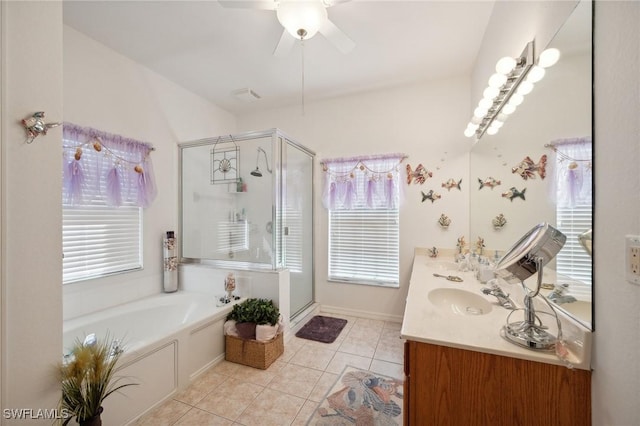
502	297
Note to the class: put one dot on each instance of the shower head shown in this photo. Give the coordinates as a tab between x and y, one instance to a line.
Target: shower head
257	172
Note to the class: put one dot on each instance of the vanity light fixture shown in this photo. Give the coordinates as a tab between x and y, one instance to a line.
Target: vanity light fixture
514	78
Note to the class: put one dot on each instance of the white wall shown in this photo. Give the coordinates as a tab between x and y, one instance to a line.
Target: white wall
109	92
616	371
424	121
31	224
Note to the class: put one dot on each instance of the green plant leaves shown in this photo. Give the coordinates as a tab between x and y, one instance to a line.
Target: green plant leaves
259	311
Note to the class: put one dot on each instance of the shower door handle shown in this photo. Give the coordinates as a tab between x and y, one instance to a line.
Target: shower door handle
286	230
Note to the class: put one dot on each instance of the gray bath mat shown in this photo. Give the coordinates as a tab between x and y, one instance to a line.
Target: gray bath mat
322	329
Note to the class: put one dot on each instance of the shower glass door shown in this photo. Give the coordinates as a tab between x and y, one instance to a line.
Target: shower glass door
297	220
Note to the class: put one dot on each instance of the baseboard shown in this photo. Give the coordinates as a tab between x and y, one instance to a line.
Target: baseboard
360	314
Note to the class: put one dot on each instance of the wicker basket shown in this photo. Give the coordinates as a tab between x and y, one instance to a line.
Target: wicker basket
253	352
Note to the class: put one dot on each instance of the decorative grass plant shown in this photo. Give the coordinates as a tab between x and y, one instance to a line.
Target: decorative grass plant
88	378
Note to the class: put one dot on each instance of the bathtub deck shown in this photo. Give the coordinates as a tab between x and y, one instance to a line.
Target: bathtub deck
291	388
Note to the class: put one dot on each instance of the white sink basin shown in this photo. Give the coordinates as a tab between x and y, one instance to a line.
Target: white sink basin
443	265
459	302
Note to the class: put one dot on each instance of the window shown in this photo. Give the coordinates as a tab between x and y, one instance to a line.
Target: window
574	205
362	197
98	239
573	260
107	180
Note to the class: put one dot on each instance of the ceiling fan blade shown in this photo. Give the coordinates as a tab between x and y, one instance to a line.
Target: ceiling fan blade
249	4
338	38
284	45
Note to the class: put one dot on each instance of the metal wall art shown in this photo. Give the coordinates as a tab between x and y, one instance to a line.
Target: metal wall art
432	196
461	244
35	126
444	221
451	183
488	182
514	193
480	246
419	175
225	162
527	168
499	222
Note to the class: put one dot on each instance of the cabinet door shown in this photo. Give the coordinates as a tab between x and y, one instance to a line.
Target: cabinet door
450	386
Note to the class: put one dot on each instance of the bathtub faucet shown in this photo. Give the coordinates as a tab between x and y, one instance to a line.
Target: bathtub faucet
116	348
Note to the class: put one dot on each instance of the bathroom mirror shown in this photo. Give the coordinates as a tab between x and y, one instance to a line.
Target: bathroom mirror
558	109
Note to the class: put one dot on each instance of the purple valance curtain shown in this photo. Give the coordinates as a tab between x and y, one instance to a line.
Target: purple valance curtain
371	182
574	171
97	164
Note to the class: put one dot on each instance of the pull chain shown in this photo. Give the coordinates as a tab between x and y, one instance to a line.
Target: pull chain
302	47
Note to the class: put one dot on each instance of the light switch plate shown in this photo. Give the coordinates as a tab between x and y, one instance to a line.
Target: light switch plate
632	258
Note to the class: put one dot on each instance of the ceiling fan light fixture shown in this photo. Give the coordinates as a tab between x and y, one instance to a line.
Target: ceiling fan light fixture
302	19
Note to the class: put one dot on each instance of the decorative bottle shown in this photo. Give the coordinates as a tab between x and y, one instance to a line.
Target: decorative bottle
170	263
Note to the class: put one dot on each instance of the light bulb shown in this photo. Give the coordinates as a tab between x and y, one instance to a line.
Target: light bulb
536	74
476	120
480	112
469	132
491	93
298	16
515	99
505	65
503	116
472	126
485	103
497	124
549	57
508	109
492	130
525	88
497	80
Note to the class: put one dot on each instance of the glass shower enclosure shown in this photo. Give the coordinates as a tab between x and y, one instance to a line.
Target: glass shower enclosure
247	204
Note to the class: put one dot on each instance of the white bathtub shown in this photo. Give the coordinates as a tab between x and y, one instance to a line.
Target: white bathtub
168	340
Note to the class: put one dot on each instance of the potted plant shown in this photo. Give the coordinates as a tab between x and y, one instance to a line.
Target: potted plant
88	378
255	314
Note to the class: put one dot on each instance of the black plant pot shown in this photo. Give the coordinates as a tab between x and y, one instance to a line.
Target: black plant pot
93	421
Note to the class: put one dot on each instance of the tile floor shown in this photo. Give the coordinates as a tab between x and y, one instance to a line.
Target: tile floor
289	390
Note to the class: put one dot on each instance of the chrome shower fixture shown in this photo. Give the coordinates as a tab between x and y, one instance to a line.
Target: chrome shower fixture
257	172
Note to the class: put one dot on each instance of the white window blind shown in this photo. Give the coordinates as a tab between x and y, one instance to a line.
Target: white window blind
362	195
98	240
573	260
364	246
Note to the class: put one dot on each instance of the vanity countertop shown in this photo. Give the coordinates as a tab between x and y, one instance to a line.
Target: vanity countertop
428	322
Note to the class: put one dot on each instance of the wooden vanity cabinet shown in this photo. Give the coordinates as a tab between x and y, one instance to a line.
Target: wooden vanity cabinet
449	386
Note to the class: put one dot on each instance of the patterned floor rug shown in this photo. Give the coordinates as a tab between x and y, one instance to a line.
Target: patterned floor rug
322	329
362	398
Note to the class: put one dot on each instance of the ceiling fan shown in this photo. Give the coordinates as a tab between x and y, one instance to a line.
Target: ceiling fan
301	20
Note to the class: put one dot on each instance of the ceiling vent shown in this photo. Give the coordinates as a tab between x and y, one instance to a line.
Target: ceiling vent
245	95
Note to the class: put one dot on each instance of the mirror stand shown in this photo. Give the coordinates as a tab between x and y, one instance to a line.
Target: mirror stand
530	333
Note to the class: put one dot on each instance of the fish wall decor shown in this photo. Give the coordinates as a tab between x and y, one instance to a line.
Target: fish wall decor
451	183
527	168
430	196
514	193
419	175
489	182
